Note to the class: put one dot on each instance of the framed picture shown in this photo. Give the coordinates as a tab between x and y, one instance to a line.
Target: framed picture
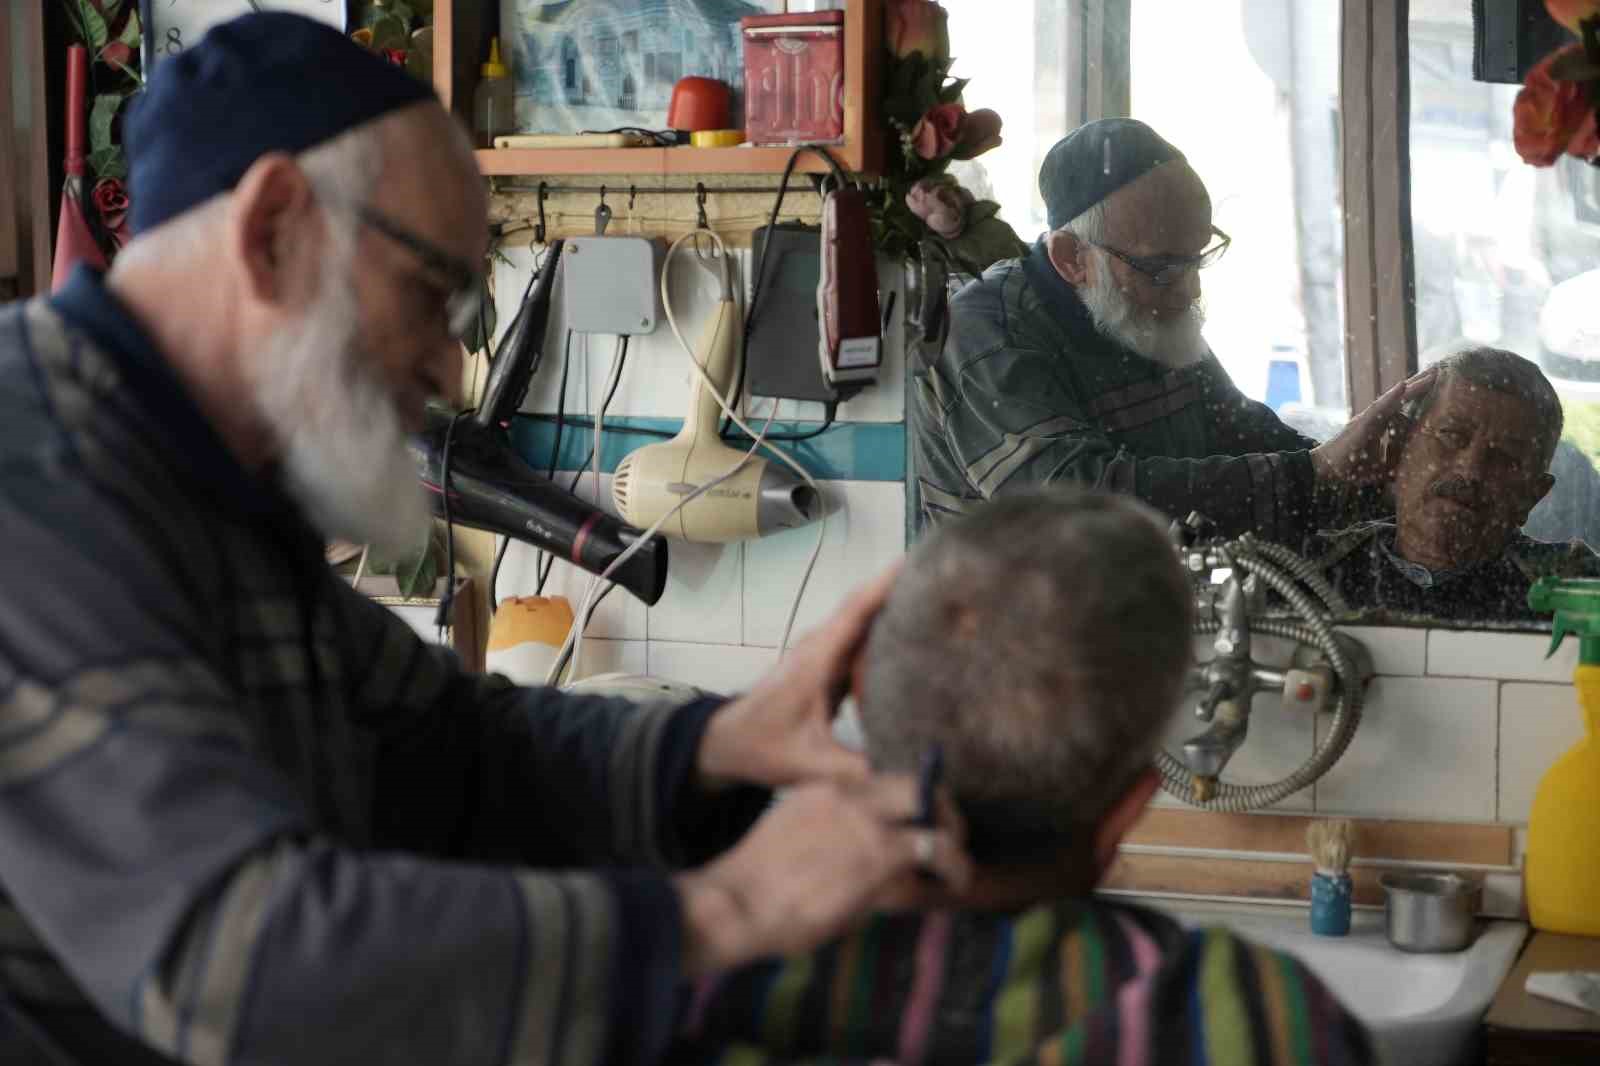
588	65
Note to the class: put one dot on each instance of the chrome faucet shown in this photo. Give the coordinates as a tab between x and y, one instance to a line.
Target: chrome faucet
1230	682
1327	670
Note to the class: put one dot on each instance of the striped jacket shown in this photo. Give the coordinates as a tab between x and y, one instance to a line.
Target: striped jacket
1065	984
1026	391
246	816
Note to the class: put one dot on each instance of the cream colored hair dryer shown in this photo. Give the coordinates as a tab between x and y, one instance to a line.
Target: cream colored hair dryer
761	498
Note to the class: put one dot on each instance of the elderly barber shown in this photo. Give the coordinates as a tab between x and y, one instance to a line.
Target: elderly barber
1084	362
245	815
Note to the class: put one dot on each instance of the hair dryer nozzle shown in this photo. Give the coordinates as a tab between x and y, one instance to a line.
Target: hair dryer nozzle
492	488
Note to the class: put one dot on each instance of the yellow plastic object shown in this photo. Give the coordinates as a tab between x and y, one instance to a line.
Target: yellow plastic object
1563	860
494	68
530	620
1564	829
716	138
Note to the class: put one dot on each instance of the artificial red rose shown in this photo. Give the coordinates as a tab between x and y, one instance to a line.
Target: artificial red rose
918	26
1548	113
110	196
936	133
980	131
397	56
941	204
1571	12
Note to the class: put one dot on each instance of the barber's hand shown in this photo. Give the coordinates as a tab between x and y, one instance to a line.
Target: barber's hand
781	731
1366	451
825	855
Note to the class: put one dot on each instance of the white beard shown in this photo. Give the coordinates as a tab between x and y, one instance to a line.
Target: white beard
343	440
1174	342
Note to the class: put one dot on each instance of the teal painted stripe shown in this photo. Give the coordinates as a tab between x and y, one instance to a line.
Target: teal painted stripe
849	451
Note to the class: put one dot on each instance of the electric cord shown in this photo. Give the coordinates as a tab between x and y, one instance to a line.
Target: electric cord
441	617
494	575
572	648
547	562
759	281
544	561
830	414
727	409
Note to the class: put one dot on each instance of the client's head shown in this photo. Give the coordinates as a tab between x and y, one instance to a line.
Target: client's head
1477	458
1041	642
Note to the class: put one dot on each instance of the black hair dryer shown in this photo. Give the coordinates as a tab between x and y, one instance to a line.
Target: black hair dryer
493	488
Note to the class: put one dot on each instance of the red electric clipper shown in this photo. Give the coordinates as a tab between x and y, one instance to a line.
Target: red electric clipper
850	342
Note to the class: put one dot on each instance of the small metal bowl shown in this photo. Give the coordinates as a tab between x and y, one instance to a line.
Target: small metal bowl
1428	912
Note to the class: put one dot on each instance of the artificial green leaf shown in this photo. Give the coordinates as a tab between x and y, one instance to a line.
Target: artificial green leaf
94	26
132	33
390	32
110	9
101	118
951	93
417	575
109	162
403	12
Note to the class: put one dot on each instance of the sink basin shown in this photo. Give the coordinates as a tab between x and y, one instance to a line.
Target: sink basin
1422	1010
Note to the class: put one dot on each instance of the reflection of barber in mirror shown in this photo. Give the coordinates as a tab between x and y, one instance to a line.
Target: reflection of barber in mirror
1084	362
1473	466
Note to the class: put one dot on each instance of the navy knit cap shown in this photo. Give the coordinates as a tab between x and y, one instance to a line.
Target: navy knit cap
268	82
1094	161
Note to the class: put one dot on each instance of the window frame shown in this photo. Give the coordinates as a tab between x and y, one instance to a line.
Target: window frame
1375	176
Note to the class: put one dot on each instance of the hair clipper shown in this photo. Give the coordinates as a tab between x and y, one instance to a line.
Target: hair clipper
850	342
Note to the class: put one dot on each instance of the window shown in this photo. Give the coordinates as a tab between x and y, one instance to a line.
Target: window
1506	253
1249	93
1023	81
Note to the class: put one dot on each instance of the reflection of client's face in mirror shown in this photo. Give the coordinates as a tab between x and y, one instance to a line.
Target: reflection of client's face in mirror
1472	469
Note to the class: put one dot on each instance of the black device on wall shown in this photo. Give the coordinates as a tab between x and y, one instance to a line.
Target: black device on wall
1510	36
781	355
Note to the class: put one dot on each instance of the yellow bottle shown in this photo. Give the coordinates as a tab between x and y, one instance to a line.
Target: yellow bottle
1564	829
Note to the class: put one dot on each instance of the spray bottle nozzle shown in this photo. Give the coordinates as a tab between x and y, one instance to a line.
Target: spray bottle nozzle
1575	604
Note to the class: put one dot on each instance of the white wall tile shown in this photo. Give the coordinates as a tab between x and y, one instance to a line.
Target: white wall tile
1396	651
1425	749
704	599
1504	656
1276	745
865	533
612	657
1538	724
716	668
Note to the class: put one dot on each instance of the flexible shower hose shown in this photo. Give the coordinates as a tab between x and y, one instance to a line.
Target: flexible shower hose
1286	573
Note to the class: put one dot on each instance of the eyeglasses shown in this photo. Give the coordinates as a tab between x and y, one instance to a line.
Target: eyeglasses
464	298
1166	269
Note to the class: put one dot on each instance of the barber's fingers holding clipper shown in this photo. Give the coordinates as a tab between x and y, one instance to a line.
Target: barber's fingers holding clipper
1367	450
781	731
826	854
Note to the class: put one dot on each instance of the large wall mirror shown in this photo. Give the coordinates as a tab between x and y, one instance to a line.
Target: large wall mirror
1502	255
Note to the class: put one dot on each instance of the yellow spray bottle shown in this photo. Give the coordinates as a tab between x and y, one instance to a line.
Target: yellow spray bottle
1564	830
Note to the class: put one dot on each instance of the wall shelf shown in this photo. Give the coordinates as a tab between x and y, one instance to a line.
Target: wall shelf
510	162
459	26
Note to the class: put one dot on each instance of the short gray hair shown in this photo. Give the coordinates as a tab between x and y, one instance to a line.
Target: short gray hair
1041	641
1089	227
1509	373
343	170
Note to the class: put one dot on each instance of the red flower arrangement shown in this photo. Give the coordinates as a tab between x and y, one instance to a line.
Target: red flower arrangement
1554	114
921	205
